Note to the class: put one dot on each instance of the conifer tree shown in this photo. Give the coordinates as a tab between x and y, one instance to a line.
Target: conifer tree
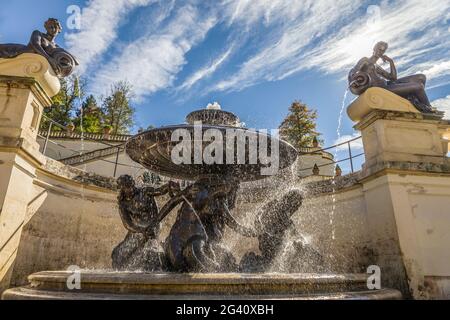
299	126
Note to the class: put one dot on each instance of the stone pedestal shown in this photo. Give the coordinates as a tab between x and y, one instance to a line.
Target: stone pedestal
406	184
26	85
394	131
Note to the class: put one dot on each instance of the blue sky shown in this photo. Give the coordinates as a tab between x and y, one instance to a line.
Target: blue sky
252	56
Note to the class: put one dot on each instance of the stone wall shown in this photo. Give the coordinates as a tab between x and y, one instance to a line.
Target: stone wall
413	211
394	219
76	223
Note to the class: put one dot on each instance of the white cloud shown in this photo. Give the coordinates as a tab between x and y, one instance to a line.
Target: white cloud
333	36
407	25
100	20
356	145
278	38
206	71
432	69
302	22
152	62
443	105
248	12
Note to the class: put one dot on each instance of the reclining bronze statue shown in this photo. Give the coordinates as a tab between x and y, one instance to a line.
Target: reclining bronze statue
367	73
61	61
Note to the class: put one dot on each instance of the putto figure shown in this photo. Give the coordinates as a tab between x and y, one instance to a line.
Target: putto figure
194	243
140	250
367	73
62	62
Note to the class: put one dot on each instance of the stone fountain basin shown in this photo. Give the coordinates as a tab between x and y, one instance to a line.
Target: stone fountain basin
153	150
160	286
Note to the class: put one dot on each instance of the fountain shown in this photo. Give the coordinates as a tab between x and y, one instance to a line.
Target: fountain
193	262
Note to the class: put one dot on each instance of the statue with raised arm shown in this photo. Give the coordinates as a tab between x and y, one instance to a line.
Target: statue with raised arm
367	73
140	250
195	241
61	61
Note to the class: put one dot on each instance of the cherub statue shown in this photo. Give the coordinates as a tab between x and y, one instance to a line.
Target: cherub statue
62	62
140	215
367	73
194	242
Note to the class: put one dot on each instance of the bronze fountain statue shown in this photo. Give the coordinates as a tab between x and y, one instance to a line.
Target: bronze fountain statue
367	73
139	213
194	243
191	261
62	62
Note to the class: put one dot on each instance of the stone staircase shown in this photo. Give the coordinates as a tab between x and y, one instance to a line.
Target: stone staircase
93	155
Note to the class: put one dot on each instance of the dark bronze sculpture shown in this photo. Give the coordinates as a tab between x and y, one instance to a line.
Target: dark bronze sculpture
195	241
272	223
62	62
367	73
138	210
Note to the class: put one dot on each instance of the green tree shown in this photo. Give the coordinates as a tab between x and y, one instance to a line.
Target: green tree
299	126
117	109
92	116
64	103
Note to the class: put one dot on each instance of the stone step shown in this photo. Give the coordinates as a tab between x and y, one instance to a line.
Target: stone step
128	285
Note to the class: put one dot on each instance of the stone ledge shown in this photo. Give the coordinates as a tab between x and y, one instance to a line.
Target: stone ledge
374	115
79	176
333	185
113	285
413	168
347	182
34	66
24	147
378	99
27	83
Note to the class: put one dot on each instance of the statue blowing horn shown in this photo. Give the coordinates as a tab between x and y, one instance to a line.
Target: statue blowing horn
65	61
359	82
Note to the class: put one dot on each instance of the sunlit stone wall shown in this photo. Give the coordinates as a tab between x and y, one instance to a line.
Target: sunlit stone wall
78	224
354	223
74	223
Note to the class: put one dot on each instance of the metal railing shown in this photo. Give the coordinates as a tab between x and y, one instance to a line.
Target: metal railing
66	133
350	158
81	156
98	154
86	136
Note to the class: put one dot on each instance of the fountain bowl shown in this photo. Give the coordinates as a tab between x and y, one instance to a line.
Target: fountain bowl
153	150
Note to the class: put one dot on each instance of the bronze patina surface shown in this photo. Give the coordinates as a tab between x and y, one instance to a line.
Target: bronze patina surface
194	243
62	62
367	73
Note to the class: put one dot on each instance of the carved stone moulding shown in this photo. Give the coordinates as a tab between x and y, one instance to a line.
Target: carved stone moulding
32	66
378	99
